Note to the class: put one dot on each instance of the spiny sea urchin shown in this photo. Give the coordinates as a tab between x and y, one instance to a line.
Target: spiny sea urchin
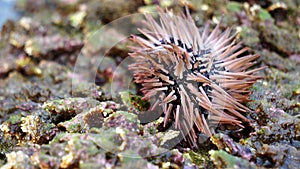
200	78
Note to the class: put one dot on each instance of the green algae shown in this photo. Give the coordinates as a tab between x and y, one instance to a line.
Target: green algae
134	101
234	6
14	119
200	158
264	15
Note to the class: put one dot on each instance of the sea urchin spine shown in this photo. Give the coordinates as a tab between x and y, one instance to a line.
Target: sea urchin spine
201	79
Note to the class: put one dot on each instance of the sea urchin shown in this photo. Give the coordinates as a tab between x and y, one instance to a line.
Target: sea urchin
199	79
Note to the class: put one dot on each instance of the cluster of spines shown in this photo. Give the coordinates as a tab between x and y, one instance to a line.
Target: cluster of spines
198	79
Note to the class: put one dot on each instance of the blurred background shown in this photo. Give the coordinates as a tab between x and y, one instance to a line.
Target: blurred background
7	11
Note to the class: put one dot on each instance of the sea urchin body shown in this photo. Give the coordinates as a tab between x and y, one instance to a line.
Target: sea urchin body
199	78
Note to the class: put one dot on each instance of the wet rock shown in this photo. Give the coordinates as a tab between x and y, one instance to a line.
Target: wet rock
90	90
281	40
226	143
250	37
197	159
123	120
50	117
272	59
36	130
281	128
65	109
170	159
278	11
222	159
134	101
50	45
31	128
110	145
278	156
109	11
17	160
90	118
275	91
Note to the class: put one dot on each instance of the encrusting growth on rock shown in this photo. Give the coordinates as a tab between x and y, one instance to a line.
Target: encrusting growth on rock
200	79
